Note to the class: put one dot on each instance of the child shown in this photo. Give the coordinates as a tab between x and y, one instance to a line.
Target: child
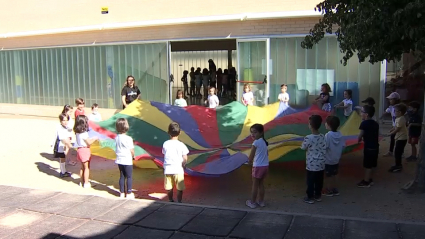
67	109
198	82
80	107
324	97
334	146
369	133
368	101
95	115
62	144
185	83
175	159
225	83
212	100
192	81
219	81
394	99
284	97
125	155
315	144
206	78
400	136
82	144
259	158
180	101
247	96
347	103
415	128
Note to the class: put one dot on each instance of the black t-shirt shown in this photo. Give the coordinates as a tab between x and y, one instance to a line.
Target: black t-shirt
415	131
322	95
370	133
131	93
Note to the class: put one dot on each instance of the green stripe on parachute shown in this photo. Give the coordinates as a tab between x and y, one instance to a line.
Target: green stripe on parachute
230	120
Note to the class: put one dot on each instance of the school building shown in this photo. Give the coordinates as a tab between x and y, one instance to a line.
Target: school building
53	52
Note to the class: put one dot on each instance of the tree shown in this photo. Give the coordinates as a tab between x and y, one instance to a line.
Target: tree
376	30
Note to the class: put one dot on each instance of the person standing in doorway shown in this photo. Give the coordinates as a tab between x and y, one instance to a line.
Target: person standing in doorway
130	92
213	73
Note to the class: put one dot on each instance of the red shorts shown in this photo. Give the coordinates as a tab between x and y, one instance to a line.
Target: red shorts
260	172
83	154
413	140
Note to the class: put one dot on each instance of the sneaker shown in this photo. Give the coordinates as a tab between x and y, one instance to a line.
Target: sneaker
371	182
411	158
261	204
308	200
130	196
363	184
66	174
318	198
335	192
250	204
388	154
395	169
122	195
328	193
87	185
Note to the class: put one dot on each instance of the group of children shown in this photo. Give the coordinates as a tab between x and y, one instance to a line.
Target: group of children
223	81
323	152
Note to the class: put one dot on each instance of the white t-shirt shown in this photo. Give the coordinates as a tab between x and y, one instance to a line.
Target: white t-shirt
180	102
349	109
213	101
316	151
95	117
391	110
284	97
173	151
62	133
79	140
71	123
248	98
123	145
261	157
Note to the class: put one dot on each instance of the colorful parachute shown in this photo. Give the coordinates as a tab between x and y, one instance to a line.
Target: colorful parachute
219	140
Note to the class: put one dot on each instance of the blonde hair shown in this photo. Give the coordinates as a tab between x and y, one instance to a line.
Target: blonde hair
122	126
246	85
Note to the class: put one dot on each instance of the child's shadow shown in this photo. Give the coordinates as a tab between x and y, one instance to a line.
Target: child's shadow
75	170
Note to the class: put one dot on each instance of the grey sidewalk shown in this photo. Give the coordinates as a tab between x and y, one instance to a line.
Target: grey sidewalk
30	213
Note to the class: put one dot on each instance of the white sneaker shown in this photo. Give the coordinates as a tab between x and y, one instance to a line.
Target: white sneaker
122	195
130	196
388	154
87	185
261	204
250	204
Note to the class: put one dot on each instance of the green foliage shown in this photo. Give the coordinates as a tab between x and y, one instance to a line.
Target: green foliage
374	29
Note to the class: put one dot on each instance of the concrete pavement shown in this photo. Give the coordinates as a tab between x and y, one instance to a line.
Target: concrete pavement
32	213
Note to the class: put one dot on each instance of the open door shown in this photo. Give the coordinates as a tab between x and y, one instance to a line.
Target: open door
254	68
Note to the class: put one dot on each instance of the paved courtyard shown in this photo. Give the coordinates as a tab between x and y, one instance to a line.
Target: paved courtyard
32	213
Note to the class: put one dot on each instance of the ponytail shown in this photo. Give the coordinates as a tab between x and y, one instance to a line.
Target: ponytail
267	143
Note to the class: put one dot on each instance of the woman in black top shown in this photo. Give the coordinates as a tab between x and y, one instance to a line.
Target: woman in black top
130	92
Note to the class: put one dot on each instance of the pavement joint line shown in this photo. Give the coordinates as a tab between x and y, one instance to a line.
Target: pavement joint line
127	227
399	234
271	212
237	224
289	227
343	229
203	209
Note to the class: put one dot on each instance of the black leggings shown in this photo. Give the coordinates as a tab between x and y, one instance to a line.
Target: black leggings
392	143
126	172
399	150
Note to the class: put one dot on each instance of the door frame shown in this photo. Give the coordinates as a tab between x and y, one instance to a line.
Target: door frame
268	62
170	76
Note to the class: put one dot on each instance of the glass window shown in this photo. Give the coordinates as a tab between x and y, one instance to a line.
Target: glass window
57	76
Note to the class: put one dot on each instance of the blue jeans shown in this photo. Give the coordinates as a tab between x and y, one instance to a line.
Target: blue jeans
126	172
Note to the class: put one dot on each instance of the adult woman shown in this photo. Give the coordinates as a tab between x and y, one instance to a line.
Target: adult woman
130	92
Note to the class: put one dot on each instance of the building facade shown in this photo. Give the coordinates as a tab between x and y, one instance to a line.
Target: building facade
64	51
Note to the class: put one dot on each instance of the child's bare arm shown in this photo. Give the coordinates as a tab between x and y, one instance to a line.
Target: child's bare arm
360	138
184	161
132	152
252	154
90	141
